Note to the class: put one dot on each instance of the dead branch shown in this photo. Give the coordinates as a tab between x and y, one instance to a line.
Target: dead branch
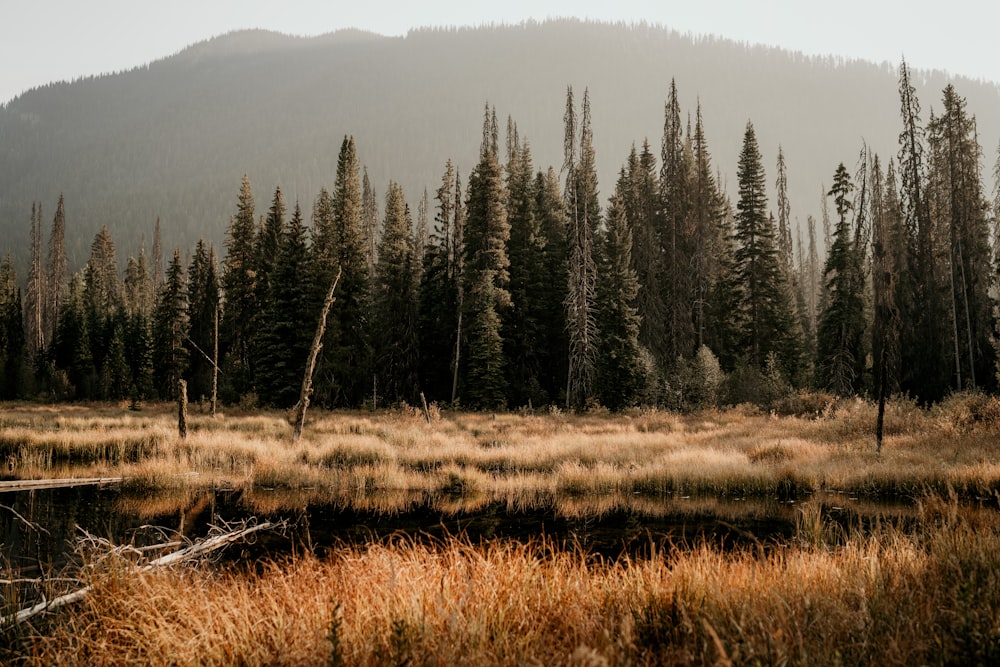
196	550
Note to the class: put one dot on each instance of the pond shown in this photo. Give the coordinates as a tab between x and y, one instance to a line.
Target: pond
40	528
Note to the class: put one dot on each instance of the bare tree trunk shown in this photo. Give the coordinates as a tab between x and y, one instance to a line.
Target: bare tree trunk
954	322
458	348
882	381
968	318
427	413
300	407
215	363
182	408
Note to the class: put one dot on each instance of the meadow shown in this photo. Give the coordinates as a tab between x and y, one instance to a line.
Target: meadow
923	592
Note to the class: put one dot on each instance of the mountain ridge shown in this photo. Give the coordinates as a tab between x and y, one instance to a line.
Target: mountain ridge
173	138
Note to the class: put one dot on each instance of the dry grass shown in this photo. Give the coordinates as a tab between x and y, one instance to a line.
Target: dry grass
890	598
738	452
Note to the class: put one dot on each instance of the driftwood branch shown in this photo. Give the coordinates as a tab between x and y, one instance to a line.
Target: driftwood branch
196	550
299	411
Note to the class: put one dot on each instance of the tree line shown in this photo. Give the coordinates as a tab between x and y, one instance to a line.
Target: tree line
521	289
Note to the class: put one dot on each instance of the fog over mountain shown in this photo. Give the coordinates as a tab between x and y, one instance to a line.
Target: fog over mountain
173	139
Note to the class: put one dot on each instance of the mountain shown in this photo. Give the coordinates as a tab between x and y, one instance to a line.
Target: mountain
174	138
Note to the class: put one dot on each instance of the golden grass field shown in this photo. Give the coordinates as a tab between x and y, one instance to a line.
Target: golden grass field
927	594
737	452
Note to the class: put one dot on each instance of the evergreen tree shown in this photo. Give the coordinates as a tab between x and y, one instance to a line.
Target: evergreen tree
706	214
170	331
203	308
288	323
369	221
620	378
487	274
924	357
70	350
37	296
239	280
641	202
57	268
439	296
269	238
524	346
339	244
784	214
137	288
395	303
102	299
676	237
551	294
723	334
583	216
840	348
157	270
887	255
765	310
959	211
13	348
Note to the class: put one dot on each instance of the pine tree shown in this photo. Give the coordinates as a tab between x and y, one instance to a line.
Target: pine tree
102	299
339	244
269	238
840	349
620	377
724	331
676	237
960	213
288	322
239	280
551	295
57	268
170	331
887	234
369	221
765	310
641	201
157	270
203	307
524	346
37	294
438	297
583	216
706	214
395	303
13	348
487	274
923	351
70	349
784	214
137	288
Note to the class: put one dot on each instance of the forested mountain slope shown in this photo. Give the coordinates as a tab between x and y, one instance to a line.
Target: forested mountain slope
173	139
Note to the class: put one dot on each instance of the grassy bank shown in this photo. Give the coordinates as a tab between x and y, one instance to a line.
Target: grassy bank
930	596
738	452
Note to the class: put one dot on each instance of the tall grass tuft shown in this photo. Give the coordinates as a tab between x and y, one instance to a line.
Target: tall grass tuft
886	597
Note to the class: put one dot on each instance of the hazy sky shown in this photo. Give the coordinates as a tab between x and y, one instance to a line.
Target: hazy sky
50	40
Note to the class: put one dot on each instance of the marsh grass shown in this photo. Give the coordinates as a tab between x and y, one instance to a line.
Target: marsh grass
739	452
830	597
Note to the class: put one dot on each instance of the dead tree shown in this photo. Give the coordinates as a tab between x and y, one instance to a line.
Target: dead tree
299	411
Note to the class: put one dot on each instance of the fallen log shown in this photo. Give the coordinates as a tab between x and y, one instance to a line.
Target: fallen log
194	551
28	484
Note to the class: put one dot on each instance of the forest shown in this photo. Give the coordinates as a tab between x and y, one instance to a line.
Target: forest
516	287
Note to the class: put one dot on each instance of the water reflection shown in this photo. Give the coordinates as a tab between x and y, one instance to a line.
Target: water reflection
321	518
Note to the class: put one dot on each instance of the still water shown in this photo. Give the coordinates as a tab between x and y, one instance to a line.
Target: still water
40	529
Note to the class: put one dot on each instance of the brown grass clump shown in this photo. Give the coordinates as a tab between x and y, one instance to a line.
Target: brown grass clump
889	598
740	452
